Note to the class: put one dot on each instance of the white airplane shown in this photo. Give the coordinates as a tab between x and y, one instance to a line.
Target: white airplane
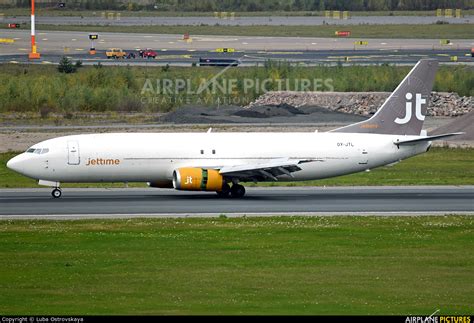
215	161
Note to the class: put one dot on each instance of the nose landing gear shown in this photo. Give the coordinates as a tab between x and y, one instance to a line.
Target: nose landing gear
56	193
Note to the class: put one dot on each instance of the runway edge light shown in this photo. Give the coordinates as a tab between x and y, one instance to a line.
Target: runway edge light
33	54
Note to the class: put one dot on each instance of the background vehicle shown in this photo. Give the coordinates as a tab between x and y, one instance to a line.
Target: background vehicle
218	62
115	53
147	53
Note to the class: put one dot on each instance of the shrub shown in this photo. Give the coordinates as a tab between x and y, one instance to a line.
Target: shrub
66	66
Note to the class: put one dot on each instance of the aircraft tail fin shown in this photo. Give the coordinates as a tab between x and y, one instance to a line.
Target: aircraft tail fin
404	110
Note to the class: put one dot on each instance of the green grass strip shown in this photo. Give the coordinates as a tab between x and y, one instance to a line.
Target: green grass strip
277	265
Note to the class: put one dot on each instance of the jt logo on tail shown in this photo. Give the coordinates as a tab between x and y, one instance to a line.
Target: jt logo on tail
418	102
403	113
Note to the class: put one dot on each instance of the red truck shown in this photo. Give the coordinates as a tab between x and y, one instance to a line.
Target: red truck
147	53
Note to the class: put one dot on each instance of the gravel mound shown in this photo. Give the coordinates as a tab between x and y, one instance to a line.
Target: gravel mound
282	113
363	103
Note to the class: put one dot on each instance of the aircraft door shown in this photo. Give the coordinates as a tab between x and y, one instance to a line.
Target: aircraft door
363	156
73	157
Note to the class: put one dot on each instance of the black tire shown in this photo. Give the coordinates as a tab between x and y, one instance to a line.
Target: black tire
225	192
237	191
56	193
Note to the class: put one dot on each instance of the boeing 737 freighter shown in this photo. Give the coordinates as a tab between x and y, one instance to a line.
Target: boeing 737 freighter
220	162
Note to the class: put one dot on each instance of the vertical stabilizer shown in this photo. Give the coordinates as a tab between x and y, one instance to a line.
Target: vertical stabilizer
404	111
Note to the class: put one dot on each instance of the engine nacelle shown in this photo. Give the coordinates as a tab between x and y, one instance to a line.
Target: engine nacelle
197	179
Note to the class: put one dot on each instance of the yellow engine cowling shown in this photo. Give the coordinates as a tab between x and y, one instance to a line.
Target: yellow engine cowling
197	179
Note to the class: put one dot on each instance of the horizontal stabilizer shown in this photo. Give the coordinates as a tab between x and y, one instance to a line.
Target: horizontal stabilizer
428	138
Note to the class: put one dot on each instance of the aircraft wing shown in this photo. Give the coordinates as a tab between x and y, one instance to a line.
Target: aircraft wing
266	170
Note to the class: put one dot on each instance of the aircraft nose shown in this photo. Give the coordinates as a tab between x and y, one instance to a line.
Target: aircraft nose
16	163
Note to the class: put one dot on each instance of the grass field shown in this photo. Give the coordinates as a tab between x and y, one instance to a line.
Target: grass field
434	31
440	166
278	265
41	89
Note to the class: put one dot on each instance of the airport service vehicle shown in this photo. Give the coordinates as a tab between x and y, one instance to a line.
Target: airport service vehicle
115	53
218	62
148	53
221	162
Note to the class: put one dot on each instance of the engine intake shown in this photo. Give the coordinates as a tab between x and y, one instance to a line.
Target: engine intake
197	179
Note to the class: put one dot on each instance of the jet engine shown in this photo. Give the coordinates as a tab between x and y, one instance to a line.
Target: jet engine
197	179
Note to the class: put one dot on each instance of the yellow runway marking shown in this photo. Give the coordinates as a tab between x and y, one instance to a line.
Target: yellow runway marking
23	49
444	55
191	50
74	39
79	49
46	62
14	62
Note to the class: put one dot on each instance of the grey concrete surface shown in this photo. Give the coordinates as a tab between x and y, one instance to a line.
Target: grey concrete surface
78	42
77	203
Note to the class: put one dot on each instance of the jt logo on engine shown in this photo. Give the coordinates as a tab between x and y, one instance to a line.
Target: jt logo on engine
189	180
408	106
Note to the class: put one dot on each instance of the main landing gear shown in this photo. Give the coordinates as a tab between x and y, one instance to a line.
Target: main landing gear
236	191
56	193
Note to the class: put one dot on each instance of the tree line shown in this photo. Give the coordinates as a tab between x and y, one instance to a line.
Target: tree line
255	5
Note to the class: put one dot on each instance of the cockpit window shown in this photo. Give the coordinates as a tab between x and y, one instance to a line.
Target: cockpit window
38	150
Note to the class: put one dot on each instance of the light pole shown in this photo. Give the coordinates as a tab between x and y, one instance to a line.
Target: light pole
33	54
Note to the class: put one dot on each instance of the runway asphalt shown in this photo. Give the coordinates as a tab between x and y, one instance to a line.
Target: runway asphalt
173	50
116	203
254	58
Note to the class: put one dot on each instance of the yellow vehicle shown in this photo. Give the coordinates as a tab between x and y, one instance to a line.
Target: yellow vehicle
115	53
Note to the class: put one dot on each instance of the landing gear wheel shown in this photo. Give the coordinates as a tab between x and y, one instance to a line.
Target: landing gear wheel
237	190
56	193
225	191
